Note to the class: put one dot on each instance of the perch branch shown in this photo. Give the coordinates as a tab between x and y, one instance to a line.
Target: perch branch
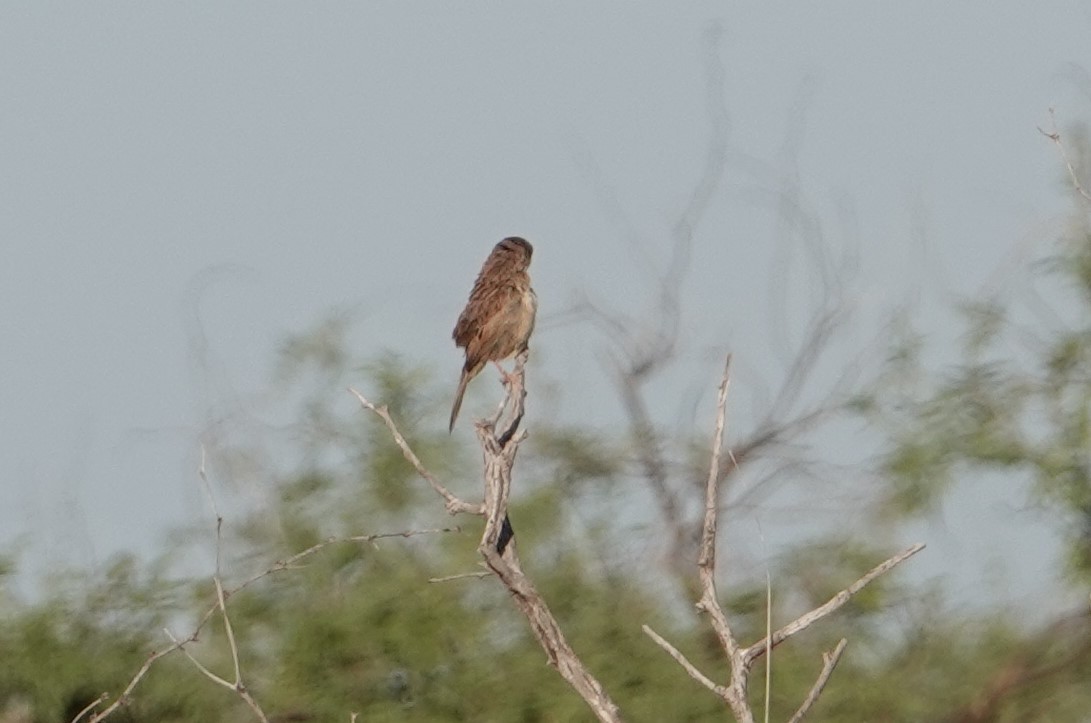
500	438
500	444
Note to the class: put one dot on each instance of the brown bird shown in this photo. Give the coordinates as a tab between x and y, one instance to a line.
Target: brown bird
499	316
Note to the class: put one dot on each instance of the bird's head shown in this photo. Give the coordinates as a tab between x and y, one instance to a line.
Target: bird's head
516	247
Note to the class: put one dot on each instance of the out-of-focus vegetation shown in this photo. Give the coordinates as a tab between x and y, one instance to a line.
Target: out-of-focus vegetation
358	627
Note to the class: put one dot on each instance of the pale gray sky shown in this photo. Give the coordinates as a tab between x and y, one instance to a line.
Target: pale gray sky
276	160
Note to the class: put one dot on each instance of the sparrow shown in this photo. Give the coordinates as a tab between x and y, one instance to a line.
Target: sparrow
499	315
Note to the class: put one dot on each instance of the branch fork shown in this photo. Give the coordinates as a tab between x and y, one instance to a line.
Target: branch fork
741	659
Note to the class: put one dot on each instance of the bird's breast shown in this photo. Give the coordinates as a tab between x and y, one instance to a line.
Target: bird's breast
530	310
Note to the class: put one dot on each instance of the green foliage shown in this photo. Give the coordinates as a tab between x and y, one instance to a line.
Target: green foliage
357	627
1005	405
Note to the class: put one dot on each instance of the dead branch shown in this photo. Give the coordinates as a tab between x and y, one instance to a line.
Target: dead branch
741	659
221	601
125	696
90	707
289	563
559	654
833	604
1055	136
829	662
454	504
462	576
500	438
689	667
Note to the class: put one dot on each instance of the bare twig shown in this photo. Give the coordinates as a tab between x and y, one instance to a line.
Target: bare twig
454	504
837	601
829	662
238	686
1055	136
181	645
689	667
735	693
91	706
292	563
769	651
462	576
126	694
229	631
217	578
289	563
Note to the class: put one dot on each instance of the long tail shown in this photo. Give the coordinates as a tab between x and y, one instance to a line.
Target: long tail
462	382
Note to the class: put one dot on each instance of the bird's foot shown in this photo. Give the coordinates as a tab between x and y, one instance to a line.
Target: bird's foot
505	376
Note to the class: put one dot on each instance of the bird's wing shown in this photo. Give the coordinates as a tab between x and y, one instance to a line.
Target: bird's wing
486	300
